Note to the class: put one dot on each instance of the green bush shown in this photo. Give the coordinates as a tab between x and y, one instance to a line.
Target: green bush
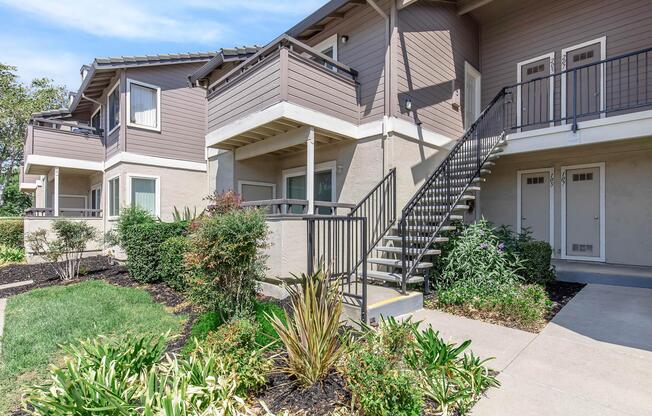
172	267
225	261
536	256
11	232
10	254
142	238
267	334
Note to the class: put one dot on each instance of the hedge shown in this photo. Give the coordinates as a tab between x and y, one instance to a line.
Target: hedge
11	232
172	269
536	256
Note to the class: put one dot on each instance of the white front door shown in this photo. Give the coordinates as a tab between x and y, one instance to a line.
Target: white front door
583	212
536	209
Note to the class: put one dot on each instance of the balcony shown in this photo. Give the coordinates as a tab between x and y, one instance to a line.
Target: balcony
50	143
286	71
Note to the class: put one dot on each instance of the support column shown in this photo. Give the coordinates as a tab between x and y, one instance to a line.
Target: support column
310	171
55	197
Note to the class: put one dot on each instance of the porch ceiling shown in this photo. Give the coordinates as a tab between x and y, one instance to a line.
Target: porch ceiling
101	80
275	128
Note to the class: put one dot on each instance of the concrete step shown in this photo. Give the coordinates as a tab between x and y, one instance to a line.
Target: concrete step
455	190
426	228
397	263
409	251
392	277
412	239
384	301
441	208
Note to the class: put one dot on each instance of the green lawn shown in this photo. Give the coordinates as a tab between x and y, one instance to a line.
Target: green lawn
37	322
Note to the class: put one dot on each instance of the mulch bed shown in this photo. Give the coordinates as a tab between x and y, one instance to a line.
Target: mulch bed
559	293
42	272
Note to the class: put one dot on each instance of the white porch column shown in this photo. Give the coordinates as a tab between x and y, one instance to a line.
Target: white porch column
55	197
310	171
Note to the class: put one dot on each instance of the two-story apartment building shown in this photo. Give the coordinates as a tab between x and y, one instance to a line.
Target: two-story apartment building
395	111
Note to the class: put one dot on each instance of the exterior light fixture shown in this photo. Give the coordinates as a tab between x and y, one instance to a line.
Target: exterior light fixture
408	104
344	39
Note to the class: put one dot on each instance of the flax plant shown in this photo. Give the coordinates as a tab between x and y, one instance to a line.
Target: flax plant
311	336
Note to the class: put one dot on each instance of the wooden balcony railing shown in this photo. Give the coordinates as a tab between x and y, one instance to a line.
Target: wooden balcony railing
78	142
64	212
297	207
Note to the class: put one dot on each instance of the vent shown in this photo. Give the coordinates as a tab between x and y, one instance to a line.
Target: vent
579	57
535	180
583	248
578	177
536	69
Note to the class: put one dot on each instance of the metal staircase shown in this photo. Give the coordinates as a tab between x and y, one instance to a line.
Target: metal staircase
403	254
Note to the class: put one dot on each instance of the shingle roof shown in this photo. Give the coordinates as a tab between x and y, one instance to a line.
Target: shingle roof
148	59
223	55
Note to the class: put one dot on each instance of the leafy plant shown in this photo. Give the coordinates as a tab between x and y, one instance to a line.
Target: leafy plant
66	250
535	255
311	335
186	216
222	203
10	254
11	233
225	261
266	334
172	267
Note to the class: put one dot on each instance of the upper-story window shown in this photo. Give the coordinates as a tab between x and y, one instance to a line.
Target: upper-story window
329	48
113	109
144	101
96	122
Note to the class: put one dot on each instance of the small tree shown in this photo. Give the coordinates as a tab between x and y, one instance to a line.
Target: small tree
66	250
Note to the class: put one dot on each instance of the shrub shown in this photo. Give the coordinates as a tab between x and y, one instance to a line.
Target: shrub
11	233
65	252
225	261
186	215
172	268
264	311
311	335
9	254
536	256
221	203
142	238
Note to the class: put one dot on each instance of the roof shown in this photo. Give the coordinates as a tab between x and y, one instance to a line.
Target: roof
52	113
223	55
100	71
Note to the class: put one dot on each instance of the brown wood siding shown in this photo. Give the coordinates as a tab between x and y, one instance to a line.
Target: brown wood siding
433	43
182	115
364	52
56	143
316	87
531	28
255	91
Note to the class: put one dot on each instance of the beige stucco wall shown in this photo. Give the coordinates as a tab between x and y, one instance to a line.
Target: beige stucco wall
286	249
628	194
33	224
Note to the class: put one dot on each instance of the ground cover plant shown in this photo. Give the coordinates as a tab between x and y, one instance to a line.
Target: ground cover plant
37	322
11	232
9	254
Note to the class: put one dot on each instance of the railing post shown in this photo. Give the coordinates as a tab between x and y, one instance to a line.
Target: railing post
363	311
311	246
402	227
574	101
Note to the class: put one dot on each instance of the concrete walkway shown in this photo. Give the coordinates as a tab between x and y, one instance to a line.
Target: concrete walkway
594	358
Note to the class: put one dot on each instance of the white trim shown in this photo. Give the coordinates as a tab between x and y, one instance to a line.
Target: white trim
117	126
329	42
157	189
61	162
109	198
519	77
319	167
603	55
158	105
327	122
126	157
96	187
256	183
564	255
75	196
27	186
470	70
551	207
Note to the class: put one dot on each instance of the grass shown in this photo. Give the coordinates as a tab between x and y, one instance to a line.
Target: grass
37	322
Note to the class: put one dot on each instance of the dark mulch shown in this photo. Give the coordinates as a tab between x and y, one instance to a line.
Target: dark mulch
560	293
282	392
43	271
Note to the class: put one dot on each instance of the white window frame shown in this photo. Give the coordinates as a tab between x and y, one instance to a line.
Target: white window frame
255	183
158	105
99	109
157	190
109	197
470	70
330	41
603	87
319	167
519	200
108	116
519	78
564	179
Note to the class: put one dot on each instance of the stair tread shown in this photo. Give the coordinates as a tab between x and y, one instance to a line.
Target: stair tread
429	252
392	277
417	239
398	262
440	208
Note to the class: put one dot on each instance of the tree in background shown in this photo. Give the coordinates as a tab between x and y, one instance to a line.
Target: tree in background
17	102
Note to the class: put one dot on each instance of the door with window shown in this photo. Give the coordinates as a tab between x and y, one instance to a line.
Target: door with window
583	86
96	196
535	94
583	206
295	186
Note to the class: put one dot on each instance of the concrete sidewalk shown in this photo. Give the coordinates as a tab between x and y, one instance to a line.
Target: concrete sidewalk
593	359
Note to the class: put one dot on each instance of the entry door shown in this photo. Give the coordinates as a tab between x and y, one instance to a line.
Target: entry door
536	196
584	206
96	197
535	95
589	83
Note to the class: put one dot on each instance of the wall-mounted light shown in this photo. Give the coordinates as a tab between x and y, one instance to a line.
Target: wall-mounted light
344	39
408	104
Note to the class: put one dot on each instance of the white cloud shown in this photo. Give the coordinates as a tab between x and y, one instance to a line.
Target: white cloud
34	61
163	21
262	7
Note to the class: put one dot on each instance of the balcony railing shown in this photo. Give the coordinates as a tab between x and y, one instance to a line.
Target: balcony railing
296	207
64	212
64	140
285	70
614	86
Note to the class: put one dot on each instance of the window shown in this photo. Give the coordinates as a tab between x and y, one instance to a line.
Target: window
144	105
114	197
96	197
96	121
113	109
144	194
329	48
324	183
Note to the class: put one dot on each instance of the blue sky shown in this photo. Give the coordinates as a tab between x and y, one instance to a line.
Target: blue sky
54	38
